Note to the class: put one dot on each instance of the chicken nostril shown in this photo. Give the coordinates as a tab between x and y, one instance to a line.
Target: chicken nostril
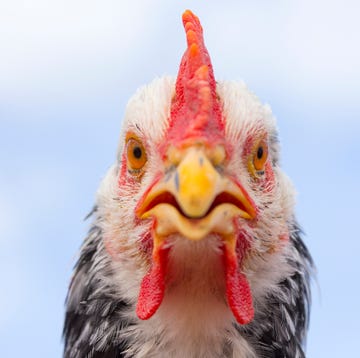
177	181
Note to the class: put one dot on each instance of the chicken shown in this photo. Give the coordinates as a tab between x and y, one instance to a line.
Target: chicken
194	249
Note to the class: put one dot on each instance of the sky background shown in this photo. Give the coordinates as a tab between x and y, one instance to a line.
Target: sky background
67	69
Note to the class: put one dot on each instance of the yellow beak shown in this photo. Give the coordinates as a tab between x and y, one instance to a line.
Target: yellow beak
194	199
196	183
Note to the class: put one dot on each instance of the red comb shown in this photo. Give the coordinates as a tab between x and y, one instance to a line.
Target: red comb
195	110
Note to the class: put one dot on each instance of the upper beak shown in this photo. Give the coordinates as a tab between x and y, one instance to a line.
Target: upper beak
195	199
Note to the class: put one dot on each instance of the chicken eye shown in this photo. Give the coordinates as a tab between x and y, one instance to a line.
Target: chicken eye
260	157
136	155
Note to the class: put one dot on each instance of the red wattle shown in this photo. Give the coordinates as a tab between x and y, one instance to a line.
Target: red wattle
152	287
238	290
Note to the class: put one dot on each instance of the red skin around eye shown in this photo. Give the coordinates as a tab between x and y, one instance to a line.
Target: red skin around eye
269	177
123	170
267	181
248	146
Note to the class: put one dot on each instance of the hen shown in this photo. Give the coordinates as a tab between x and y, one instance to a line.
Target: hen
194	249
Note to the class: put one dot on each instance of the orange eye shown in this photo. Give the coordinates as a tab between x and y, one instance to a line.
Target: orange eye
260	156
136	155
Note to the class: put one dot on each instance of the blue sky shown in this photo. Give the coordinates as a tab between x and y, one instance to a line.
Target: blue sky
67	69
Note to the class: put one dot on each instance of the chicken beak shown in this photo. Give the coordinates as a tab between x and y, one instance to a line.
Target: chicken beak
196	183
195	199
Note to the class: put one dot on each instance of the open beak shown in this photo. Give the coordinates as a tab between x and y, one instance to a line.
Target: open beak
194	199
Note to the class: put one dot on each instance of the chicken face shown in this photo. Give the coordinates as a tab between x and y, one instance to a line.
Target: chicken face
194	250
197	168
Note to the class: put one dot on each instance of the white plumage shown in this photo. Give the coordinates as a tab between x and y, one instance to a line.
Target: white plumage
194	318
